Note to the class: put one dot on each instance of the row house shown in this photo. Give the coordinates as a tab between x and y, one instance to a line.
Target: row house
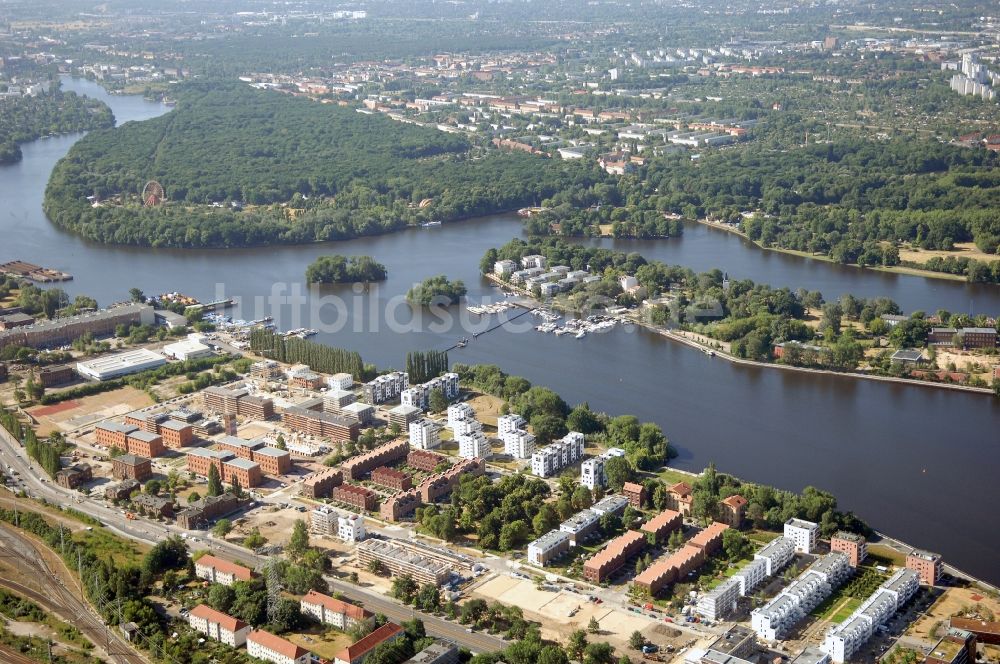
321	483
218	570
392	478
357	497
399	505
613	556
383	455
425	461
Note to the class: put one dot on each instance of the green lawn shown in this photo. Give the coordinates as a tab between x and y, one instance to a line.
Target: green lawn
837	609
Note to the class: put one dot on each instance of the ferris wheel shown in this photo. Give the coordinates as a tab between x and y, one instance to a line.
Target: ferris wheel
153	194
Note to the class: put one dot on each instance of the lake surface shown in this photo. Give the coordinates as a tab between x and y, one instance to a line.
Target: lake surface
916	462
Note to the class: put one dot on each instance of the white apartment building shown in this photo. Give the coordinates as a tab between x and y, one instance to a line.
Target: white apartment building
474	446
615	504
592	473
548	547
518	444
720	601
218	626
386	387
419	396
777	553
534	261
504	268
845	639
552	458
424	434
351	528
458	412
330	611
510	423
341	381
270	648
467	427
803	533
751	575
773	620
580	525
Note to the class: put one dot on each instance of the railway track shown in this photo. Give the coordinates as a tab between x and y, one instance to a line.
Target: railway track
14	657
51	593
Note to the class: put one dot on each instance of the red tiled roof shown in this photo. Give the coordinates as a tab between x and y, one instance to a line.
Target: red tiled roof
614	549
224	620
277	644
359	648
709	534
239	571
659	521
336	605
631	487
735	501
681	489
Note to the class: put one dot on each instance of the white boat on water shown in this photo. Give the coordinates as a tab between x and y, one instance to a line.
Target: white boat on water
581	334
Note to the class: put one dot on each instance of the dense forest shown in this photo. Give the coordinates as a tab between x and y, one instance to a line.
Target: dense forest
853	200
246	167
24	119
344	270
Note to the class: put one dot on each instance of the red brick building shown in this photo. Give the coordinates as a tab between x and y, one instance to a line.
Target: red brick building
244	449
635	493
710	538
613	557
131	467
663	524
247	472
399	505
321	424
383	455
424	460
670	570
355	496
321	483
176	434
143	443
113	434
392	478
272	460
199	460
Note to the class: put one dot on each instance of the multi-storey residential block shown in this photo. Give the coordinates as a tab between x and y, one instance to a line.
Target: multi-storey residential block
330	611
552	458
386	387
474	446
426	461
131	467
548	547
424	434
518	444
613	556
776	554
321	483
418	396
613	504
399	505
383	455
580	526
217	570
358	651
845	639
274	649
356	496
316	423
219	626
773	620
636	494
272	460
176	434
928	565
850	544
399	558
392	478
592	473
661	525
803	533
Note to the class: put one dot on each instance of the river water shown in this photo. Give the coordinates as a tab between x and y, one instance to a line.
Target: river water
919	463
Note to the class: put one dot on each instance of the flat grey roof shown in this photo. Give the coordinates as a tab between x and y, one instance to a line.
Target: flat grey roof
242	463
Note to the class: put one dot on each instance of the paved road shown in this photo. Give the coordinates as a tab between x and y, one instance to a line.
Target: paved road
152	532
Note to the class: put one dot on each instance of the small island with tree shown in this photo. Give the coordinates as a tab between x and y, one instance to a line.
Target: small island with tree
345	270
436	290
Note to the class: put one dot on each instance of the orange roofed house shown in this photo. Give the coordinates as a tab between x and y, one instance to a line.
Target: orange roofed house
733	509
635	493
330	611
270	648
679	498
219	626
217	570
356	652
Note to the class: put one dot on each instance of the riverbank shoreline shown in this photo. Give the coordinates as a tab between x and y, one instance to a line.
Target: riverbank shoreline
897	269
680	337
